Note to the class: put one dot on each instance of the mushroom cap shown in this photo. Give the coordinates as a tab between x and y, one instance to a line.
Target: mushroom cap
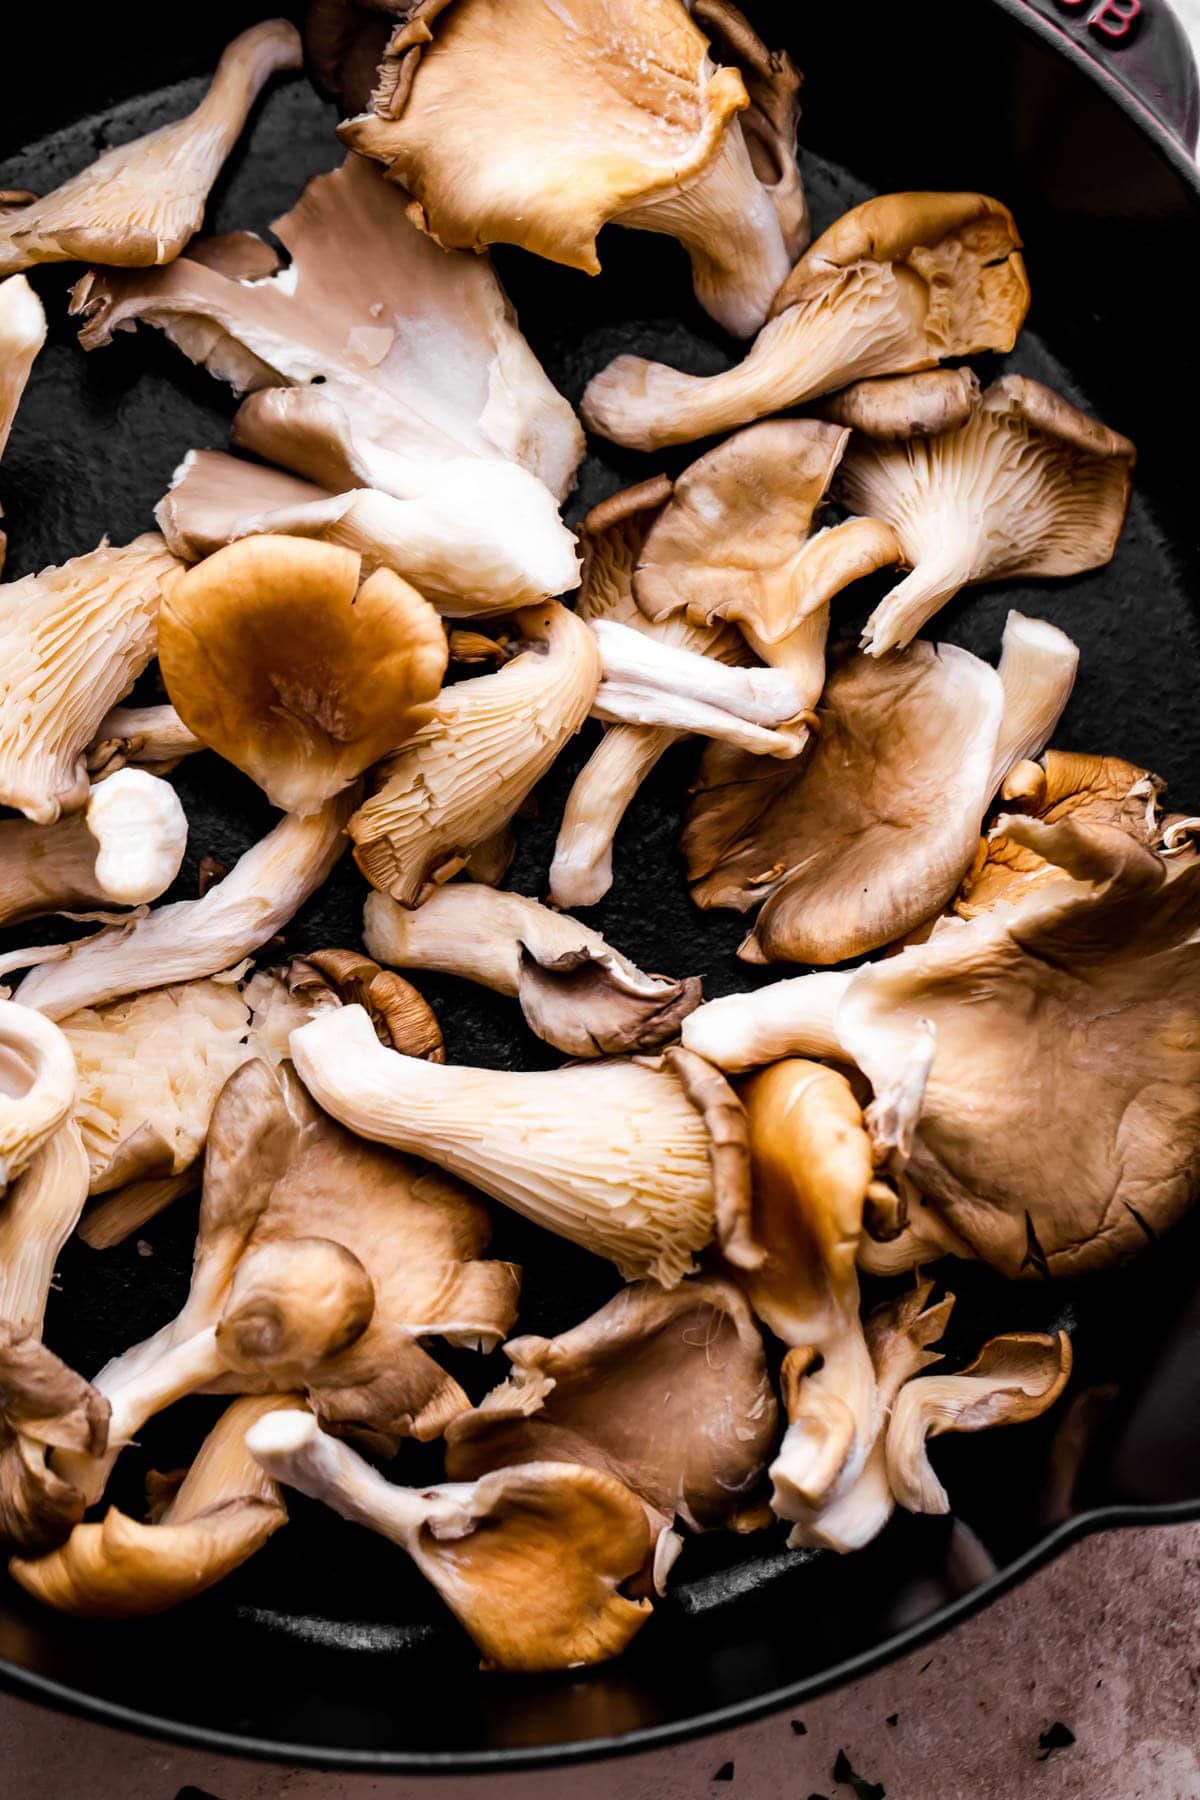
45	1406
275	656
628	107
926	404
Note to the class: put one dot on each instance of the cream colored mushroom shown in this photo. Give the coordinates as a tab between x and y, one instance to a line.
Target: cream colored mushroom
531	1561
573	988
139	203
37	1086
639	1163
72	641
142	737
189	939
462	777
901	282
1026	486
633	125
770	121
22	334
124	849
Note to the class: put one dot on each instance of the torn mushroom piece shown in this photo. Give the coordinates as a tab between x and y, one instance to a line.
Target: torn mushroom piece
283	998
423	369
154	738
669	1393
189	939
530	1560
1025	485
294	1290
871	834
22	334
901	282
735	542
139	203
280	657
125	849
574	990
647	683
641	1162
223	1512
73	640
459	781
634	126
1014	1378
612	536
37	1087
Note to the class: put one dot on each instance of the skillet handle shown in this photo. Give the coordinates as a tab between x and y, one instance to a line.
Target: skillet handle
1139	45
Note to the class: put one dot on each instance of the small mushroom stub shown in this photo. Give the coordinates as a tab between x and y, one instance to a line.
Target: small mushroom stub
276	654
901	282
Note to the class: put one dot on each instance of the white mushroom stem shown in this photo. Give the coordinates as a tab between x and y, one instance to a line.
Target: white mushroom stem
1038	664
649	682
612	1155
193	938
605	788
141	830
292	1449
939	575
813	1467
37	1086
786	1018
149	737
183	1369
37	1216
727	223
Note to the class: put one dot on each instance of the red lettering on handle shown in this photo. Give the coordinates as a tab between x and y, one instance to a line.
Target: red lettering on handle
1115	20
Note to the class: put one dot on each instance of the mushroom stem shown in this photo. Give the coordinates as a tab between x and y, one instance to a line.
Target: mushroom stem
832	1423
1038	664
581	873
727	223
184	1369
478	933
150	737
939	575
125	849
293	1450
631	658
800	655
37	1086
37	1216
631	703
786	1018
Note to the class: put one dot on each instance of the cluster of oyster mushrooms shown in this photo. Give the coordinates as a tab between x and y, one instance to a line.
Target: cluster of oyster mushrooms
390	507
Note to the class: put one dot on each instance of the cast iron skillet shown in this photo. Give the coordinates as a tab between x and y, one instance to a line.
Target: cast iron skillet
326	1648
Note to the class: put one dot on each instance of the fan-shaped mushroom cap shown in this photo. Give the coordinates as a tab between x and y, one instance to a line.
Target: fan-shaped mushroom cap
633	125
899	283
37	1086
225	1509
275	656
139	203
461	779
1026	485
150	1070
420	351
1014	1378
126	848
669	1393
22	334
530	1560
192	938
873	832
574	989
73	639
629	1159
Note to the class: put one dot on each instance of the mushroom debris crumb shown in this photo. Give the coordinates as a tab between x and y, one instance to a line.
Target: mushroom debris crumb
1011	1076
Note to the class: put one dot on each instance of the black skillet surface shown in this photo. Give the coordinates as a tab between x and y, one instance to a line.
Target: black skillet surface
327	1648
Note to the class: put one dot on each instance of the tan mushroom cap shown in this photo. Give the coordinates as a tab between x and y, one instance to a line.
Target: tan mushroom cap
904	406
669	1393
275	656
139	203
224	1511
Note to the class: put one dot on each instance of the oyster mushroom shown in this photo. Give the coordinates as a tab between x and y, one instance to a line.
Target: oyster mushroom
141	737
224	1511
294	1290
669	1393
37	1087
139	203
73	640
1026	485
633	126
281	658
873	832
638	1162
901	282
733	542
530	1560
612	535
150	1069
574	990
462	777
189	939
645	682
1014	1378
125	848
419	352
22	334
286	997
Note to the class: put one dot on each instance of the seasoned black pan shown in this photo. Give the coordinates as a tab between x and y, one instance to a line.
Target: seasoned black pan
326	1648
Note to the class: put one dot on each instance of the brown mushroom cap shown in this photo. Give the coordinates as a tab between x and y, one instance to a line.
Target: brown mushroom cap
904	406
276	657
45	1406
